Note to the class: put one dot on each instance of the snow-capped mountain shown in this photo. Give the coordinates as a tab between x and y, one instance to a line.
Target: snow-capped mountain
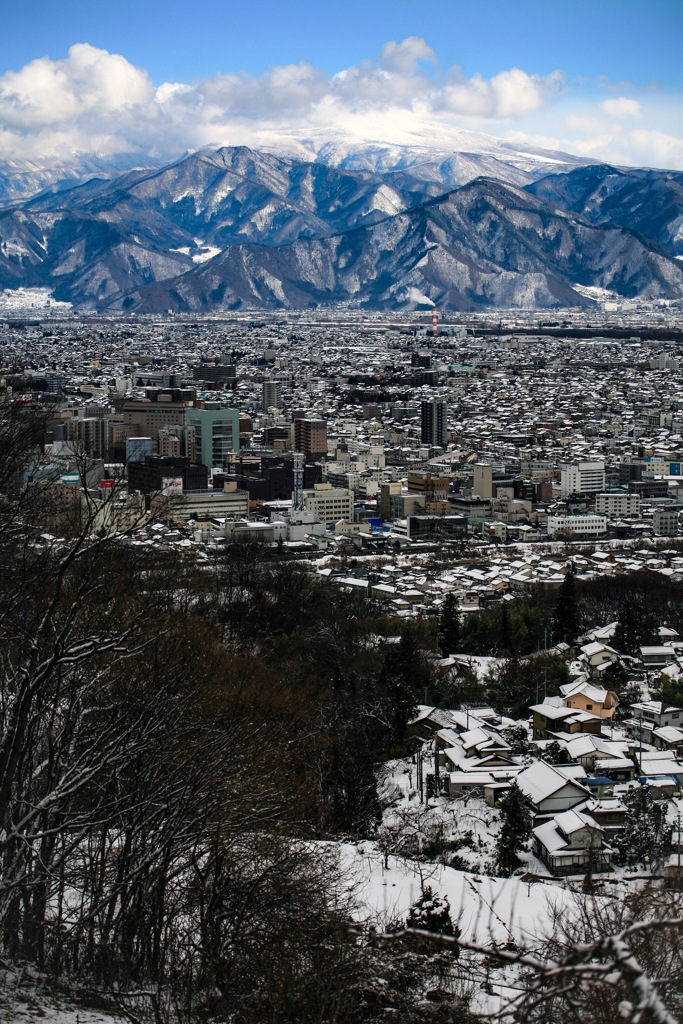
352	222
484	245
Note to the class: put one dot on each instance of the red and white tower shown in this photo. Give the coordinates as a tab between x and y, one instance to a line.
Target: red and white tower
435	318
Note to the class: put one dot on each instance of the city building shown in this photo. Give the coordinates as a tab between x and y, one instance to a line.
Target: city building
271	394
582	478
138	448
582	525
617	504
330	504
161	473
434	423
665	522
216	433
310	437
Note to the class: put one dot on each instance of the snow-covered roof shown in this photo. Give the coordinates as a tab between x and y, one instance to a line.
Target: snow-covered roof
595	693
572	820
541	780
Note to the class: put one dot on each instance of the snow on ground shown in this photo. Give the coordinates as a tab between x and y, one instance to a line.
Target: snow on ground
207	253
201	255
487	910
22	1006
31	298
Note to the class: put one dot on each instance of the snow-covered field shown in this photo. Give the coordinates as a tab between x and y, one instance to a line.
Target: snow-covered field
488	910
17	299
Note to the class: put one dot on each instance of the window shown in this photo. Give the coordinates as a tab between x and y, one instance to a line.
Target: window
589	707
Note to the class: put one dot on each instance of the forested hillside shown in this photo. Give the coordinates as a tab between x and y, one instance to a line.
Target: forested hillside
177	737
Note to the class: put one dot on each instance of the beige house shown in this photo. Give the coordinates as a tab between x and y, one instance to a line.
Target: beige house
584	696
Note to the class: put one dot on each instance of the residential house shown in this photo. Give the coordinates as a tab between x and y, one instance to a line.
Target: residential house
649	715
586	696
597	657
552	788
570	843
553	716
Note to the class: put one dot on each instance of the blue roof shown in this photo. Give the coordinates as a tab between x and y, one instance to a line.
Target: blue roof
599	780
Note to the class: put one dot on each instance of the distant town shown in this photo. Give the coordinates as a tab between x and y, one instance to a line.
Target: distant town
369	435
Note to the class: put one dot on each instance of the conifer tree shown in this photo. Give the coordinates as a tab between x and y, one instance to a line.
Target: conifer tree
431	913
515	829
566	615
646	834
448	635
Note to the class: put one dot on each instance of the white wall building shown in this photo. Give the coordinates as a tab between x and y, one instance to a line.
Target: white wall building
582	478
617	504
329	504
585	524
665	522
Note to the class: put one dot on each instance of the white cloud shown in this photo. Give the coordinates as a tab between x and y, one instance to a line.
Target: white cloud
509	94
93	102
403	57
609	142
622	107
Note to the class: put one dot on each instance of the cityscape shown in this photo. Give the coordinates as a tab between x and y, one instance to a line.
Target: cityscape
341	513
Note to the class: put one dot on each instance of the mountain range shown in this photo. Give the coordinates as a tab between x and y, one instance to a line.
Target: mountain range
310	221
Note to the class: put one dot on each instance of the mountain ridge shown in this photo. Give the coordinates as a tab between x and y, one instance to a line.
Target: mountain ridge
191	233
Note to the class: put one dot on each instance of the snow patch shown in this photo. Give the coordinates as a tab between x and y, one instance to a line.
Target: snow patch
32	298
205	254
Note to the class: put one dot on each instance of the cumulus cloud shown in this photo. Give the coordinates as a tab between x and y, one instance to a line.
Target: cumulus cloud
610	142
509	94
622	107
403	58
96	103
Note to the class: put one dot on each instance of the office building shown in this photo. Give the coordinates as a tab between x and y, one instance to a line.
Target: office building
329	504
271	394
137	448
216	433
582	478
310	437
434	423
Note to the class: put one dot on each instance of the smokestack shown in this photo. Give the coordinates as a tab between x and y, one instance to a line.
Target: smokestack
434	321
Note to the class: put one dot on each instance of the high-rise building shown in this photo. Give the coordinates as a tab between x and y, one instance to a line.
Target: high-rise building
216	433
482	480
271	394
434	423
330	504
137	448
310	437
90	434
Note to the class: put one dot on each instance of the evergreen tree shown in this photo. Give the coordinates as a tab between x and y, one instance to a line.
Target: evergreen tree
566	614
646	834
509	687
515	829
432	913
506	641
406	677
448	635
634	626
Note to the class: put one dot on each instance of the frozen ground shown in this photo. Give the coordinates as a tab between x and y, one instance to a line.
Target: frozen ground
488	910
28	1005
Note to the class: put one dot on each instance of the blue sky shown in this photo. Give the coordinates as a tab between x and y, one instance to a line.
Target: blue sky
603	78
